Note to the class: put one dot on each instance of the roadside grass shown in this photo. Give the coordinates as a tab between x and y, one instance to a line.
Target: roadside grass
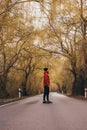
78	97
9	100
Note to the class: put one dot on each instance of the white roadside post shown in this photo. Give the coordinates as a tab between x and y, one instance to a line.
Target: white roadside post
19	93
62	92
85	92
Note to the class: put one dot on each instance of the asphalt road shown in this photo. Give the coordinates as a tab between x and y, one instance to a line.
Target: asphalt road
31	114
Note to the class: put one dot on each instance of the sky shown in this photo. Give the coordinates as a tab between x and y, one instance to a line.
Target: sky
34	10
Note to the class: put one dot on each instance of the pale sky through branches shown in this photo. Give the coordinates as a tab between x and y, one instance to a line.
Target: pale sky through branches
34	10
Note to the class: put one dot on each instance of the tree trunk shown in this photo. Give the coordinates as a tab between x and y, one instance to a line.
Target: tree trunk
78	84
24	88
24	85
85	82
74	87
3	83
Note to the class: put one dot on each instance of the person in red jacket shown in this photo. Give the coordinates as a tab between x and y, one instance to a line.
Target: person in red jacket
46	86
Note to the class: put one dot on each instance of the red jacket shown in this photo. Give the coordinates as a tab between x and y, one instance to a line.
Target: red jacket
46	79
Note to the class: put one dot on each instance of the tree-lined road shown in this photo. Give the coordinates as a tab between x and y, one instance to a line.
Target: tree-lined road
31	114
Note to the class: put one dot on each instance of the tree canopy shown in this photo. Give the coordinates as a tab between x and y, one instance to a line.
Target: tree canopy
39	33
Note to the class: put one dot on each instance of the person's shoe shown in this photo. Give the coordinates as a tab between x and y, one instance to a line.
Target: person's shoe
49	101
44	101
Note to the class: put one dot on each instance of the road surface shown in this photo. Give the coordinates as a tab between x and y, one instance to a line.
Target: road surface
31	114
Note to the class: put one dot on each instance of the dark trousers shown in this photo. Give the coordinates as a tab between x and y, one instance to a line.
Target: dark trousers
46	93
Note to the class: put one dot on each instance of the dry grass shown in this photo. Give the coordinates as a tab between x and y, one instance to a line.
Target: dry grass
8	100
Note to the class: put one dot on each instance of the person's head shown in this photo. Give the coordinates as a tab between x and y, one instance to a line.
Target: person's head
45	69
